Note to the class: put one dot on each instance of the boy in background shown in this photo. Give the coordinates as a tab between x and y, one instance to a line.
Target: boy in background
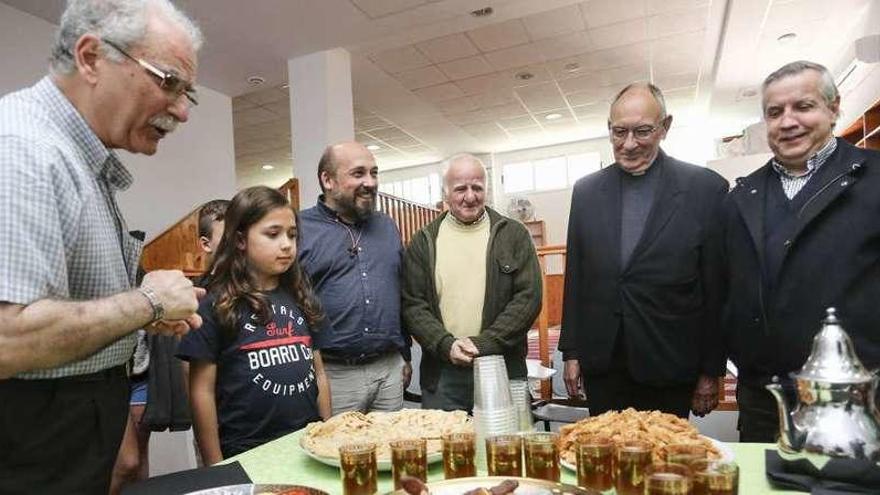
211	223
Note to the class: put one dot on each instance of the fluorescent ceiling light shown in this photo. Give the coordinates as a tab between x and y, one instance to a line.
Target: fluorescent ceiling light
786	38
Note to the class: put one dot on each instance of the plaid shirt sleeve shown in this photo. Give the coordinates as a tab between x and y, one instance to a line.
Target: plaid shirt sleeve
32	255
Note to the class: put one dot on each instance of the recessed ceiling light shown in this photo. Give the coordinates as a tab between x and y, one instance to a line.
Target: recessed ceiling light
553	116
750	92
256	80
285	86
524	75
373	147
268	167
572	67
484	12
786	38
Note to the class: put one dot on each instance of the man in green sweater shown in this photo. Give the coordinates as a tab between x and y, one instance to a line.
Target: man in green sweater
472	287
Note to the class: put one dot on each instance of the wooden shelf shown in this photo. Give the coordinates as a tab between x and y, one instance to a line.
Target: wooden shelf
864	132
539	233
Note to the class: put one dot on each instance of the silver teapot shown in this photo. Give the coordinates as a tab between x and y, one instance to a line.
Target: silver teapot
834	413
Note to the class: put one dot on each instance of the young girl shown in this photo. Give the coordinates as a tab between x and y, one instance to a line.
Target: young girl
253	373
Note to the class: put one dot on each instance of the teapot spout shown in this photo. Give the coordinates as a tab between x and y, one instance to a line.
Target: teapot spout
790	437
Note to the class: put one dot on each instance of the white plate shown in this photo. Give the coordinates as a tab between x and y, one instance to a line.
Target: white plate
381	465
726	453
252	489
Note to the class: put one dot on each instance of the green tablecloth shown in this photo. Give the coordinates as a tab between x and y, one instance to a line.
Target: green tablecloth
283	461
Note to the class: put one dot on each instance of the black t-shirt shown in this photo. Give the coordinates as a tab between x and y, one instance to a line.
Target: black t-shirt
266	385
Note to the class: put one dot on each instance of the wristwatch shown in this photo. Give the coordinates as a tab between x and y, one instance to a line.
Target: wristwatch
155	303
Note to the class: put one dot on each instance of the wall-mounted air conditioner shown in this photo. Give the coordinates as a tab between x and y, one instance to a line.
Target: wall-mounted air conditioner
867	52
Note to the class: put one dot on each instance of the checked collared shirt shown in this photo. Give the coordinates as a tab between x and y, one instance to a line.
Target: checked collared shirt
62	235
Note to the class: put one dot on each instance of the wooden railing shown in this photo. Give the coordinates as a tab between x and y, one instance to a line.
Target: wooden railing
177	248
551	305
409	216
291	190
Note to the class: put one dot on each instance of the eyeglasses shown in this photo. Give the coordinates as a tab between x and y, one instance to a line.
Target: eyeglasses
168	80
640	133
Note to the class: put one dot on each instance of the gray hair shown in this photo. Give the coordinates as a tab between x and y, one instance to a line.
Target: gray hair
121	21
447	164
826	81
654	90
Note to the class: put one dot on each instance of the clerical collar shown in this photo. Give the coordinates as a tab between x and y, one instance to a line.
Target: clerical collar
654	165
472	224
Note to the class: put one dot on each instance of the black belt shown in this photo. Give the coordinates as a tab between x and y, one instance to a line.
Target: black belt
105	375
351	360
98	376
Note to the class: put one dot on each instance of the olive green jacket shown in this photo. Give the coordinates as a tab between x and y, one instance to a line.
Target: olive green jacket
511	304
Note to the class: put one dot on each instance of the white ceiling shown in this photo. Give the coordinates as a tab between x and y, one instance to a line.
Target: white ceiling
430	80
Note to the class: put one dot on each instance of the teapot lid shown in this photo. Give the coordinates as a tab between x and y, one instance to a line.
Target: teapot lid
833	359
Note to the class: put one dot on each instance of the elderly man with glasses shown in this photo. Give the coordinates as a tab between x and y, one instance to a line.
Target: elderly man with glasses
643	280
121	77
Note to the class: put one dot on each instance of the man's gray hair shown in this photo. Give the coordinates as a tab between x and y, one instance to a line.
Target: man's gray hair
654	90
826	80
123	22
458	157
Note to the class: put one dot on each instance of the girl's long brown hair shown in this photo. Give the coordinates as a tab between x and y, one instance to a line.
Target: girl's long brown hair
231	279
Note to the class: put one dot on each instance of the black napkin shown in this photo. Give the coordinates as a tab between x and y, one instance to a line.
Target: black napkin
191	480
838	476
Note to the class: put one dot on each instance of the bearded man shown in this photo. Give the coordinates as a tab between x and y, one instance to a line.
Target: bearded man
353	255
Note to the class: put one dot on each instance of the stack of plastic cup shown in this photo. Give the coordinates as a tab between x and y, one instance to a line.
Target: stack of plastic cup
522	401
494	410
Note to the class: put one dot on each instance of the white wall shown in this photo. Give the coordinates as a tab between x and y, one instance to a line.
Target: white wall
193	165
855	101
738	166
426	169
24	48
396	174
551	206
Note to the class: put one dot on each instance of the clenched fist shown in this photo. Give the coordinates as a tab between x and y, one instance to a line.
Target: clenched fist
178	297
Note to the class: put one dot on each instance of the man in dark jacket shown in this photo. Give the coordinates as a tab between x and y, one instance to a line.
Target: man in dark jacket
802	234
643	276
471	287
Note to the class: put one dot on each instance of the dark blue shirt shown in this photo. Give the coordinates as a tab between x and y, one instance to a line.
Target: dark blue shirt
355	272
266	384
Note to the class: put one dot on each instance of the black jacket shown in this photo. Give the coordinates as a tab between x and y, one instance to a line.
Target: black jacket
832	259
667	297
